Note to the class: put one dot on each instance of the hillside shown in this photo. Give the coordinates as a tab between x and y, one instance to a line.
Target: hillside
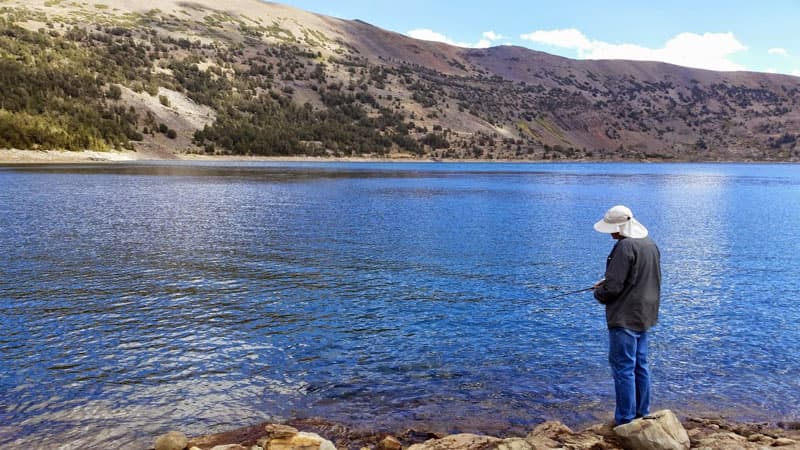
255	78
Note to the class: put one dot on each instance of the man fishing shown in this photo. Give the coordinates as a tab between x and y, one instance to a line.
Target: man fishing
631	293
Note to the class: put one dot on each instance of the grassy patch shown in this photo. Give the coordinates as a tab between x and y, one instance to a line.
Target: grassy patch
525	129
282	34
549	127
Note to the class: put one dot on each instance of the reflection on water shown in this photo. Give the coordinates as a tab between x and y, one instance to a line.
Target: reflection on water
139	298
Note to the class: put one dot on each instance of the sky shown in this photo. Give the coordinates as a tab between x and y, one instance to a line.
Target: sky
761	36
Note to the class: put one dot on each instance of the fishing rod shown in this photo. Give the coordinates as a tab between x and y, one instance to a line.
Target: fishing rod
569	293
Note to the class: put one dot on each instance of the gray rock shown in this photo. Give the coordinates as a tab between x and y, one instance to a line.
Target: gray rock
174	440
660	431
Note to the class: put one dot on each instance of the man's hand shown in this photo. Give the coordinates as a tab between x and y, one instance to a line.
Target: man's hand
599	283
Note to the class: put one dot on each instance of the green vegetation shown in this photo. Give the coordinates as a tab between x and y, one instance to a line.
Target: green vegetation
56	103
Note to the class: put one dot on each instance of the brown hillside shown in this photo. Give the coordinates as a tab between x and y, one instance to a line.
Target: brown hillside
382	92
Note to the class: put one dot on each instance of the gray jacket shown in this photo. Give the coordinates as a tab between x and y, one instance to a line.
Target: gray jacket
632	288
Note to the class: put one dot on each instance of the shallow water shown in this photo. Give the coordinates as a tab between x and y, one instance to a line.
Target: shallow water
137	298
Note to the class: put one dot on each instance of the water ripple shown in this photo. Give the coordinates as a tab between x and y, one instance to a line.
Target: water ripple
141	298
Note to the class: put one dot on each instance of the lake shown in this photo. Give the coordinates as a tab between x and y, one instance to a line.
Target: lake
139	298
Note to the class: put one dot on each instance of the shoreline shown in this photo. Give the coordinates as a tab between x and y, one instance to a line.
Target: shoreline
12	157
709	433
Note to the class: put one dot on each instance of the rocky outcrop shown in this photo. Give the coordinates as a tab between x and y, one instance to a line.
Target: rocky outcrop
662	430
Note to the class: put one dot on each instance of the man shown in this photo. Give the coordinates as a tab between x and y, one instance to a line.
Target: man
631	292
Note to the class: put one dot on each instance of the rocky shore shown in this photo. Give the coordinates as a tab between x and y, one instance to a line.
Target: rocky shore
661	431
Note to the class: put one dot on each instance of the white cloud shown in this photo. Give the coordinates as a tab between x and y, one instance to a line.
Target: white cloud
430	35
568	38
492	36
796	73
778	51
704	51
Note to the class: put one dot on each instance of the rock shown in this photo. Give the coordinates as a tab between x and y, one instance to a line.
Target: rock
548	434
294	441
462	441
516	444
660	431
277	431
174	440
585	441
758	437
229	447
389	443
723	441
781	442
789	425
550	429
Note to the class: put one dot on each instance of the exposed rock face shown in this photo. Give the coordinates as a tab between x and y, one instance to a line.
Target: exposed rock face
660	431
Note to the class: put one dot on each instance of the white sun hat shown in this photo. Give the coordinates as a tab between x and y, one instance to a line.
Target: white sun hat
619	219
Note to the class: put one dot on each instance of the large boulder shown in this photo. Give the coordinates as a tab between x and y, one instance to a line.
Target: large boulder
174	440
659	431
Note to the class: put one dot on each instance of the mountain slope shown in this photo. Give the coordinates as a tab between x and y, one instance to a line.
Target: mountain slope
261	78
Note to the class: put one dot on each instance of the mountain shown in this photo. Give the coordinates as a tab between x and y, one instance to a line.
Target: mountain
255	78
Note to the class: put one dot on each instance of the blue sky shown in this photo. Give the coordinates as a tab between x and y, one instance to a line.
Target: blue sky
717	35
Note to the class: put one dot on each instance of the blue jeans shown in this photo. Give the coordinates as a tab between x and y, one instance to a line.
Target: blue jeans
627	353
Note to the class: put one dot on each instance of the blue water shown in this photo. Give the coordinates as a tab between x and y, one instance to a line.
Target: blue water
138	298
